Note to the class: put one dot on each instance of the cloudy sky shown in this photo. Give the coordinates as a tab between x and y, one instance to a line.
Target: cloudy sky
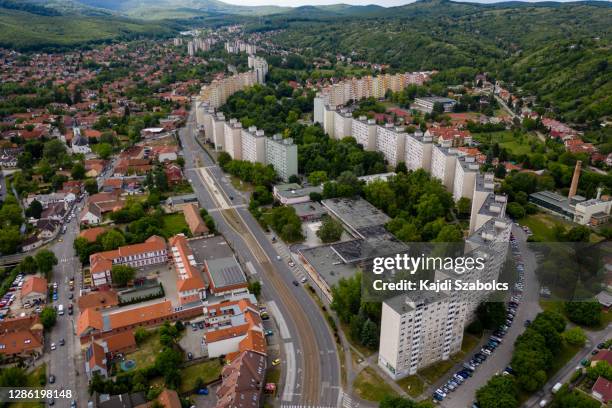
295	3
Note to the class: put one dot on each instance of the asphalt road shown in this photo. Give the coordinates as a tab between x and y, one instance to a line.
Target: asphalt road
66	361
464	396
311	372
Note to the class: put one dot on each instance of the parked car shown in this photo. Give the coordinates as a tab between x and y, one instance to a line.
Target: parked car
51	379
276	362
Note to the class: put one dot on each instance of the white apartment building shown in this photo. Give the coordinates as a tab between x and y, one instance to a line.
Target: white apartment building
483	187
390	141
218	91
318	109
218	131
342	123
282	155
364	132
329	115
418	151
259	66
208	124
466	170
418	330
594	211
443	161
253	145
233	138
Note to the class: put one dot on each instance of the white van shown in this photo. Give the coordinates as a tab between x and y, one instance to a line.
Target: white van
60	310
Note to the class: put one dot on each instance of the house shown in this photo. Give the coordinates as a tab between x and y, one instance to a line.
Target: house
196	224
134	400
126	167
243	381
225	276
31	243
123	342
151	252
602	355
169	399
54	211
47	228
602	390
176	203
95	361
165	153
92	234
34	290
21	337
98	205
94	167
98	300
174	174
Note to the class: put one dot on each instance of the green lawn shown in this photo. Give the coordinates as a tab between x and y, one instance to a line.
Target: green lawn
174	224
147	351
34	381
435	371
208	371
566	353
413	385
369	386
542	225
505	138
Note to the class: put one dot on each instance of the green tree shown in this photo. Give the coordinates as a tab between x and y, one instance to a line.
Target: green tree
112	239
255	288
369	334
54	150
491	314
122	274
584	313
45	260
28	265
575	336
464	207
330	231
317	177
103	150
9	240
91	186
600	369
499	392
48	316
346	296
515	210
78	171
34	210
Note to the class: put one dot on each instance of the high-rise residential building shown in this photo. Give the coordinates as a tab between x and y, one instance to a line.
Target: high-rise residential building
253	145
218	91
282	155
364	132
342	123
233	138
191	48
218	128
318	109
466	170
390	141
260	66
418	151
443	162
329	116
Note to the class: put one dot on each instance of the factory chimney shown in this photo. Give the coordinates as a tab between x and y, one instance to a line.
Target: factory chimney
575	178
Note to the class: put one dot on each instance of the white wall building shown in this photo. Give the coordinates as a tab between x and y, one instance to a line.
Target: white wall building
282	155
390	141
342	123
233	138
253	145
364	132
466	170
218	128
443	161
418	151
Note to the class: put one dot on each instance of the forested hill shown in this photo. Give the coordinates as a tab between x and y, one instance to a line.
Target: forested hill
559	51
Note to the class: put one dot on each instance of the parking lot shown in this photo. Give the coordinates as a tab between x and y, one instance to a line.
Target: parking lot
191	342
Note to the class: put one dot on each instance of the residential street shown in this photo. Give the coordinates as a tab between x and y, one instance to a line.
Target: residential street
308	380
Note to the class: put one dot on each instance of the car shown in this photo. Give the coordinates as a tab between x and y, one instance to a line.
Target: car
73	404
190	355
601	345
304	280
296	283
585	362
440	392
264	316
276	362
53	346
594	352
201	325
194	326
509	370
291	264
62	342
278	258
60	240
71	296
486	351
50	402
268	333
468	366
437	397
55	296
51	379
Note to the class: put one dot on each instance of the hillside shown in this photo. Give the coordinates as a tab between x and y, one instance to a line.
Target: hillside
28	31
514	41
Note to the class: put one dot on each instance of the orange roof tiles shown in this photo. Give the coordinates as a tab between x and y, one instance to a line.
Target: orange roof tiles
120	341
92	234
194	220
89	319
34	284
98	300
169	399
103	261
142	314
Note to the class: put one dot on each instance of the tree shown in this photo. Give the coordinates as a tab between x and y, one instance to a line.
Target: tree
491	314
584	313
78	171
499	392
34	210
464	207
575	336
141	334
223	159
346	295
369	335
255	288
103	150
401	168
45	260
600	369
54	150
91	186
317	177
566	398
28	265
122	274
48	317
9	240
515	210
168	360
112	239
449	233
330	231
12	377
10	214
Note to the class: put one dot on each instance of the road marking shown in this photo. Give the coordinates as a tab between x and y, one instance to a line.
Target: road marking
282	324
289	372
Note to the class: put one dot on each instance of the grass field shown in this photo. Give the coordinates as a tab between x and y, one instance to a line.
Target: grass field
542	226
147	351
34	380
370	386
413	385
208	371
507	140
174	224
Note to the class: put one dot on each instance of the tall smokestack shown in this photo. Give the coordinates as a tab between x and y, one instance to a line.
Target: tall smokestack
599	190
575	178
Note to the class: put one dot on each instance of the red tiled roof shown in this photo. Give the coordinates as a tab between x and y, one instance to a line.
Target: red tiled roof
120	341
603	387
34	284
98	300
89	319
91	234
134	316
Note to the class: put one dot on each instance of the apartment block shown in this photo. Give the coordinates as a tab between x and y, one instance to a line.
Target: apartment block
218	130
253	145
466	170
342	123
418	151
390	141
364	132
259	66
443	162
233	138
282	155
318	109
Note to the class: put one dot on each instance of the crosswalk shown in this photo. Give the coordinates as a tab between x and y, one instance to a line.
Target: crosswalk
347	401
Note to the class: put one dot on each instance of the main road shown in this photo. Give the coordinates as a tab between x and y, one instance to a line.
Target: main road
310	362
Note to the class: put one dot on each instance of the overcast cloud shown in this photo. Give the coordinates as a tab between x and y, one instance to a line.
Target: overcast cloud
296	3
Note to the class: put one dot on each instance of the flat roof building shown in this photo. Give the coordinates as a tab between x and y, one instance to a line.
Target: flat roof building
282	155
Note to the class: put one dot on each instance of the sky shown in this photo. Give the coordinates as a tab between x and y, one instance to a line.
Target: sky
296	3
